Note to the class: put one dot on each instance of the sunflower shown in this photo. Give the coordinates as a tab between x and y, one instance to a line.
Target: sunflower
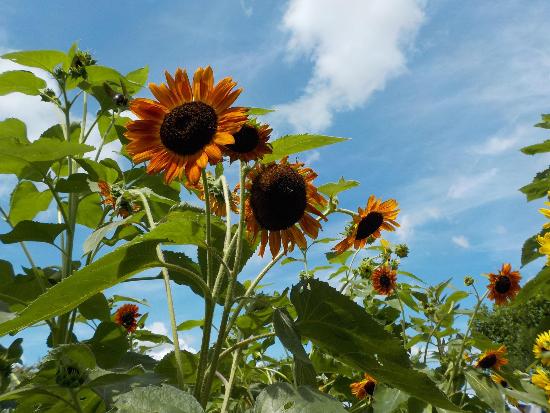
369	222
281	196
126	316
493	359
544	242
364	388
504	286
546	213
384	280
498	379
250	143
112	197
186	127
541	349
217	200
542	379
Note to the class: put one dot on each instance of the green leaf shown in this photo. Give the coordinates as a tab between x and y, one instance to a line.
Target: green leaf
259	111
539	187
386	399
335	258
33	231
95	237
109	344
43	59
189	324
164	399
95	308
286	332
532	394
291	144
344	329
89	211
98	171
14	128
136	79
537	148
539	285
167	367
26	202
20	81
485	389
530	249
333	188
283	397
116	131
145	335
545	122
99	377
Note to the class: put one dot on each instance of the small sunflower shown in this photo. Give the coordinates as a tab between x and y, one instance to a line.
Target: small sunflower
281	196
217	200
498	379
544	242
493	359
126	316
504	286
384	280
364	388
112	197
250	143
369	222
541	349
187	126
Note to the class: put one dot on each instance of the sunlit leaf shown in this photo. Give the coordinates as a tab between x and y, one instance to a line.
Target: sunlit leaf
26	202
291	144
14	128
33	231
43	59
20	81
164	399
333	188
283	397
485	389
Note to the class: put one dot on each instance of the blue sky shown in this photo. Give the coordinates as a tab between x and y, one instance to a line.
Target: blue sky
437	97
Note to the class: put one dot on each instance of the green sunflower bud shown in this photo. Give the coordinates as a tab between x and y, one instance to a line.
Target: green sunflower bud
468	281
70	376
401	250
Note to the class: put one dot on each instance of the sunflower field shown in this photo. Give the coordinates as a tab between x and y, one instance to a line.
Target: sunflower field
201	187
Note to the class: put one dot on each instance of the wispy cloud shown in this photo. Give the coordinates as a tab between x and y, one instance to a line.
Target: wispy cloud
461	241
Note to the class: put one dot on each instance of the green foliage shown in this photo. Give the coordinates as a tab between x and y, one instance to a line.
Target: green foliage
43	59
291	144
332	189
164	399
20	81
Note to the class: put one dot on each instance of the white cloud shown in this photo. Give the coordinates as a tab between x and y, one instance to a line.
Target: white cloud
469	185
356	46
461	241
158	352
502	142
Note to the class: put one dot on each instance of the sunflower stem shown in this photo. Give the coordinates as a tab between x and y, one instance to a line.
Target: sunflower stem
166	278
229	385
403	322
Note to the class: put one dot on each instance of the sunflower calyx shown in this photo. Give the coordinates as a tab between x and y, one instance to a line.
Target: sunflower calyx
70	375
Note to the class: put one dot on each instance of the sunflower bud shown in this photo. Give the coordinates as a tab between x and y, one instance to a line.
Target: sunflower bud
468	281
69	375
120	100
364	270
78	64
401	250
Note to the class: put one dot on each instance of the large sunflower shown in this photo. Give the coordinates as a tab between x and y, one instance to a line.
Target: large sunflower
364	388
369	222
541	349
384	280
493	359
504	286
281	196
186	126
250	143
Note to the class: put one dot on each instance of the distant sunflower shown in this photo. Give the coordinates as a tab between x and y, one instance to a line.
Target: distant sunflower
541	349
544	242
281	196
384	280
126	316
217	199
493	359
187	126
369	222
504	286
364	388
250	143
498	379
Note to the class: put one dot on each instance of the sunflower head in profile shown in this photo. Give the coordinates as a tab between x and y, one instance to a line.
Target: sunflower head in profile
541	349
251	143
281	199
187	125
492	359
217	199
368	223
498	379
384	280
127	316
544	242
364	388
504	286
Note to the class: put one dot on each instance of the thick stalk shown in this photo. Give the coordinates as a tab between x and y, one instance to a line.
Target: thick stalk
170	301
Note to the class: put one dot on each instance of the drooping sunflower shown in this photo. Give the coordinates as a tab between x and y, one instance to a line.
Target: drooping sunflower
250	143
369	222
127	316
541	349
282	197
217	199
493	359
364	388
384	280
186	127
498	379
544	242
114	199
504	286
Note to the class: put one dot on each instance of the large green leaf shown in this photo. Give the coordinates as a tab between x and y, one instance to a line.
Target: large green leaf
33	231
291	144
530	249
334	188
136	79
539	187
164	399
167	369
537	148
43	59
283	397
387	400
14	128
20	81
344	329
95	308
486	389
26	201
109	344
111	132
539	285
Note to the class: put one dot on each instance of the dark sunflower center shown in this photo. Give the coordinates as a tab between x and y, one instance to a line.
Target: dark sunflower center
488	361
369	387
504	383
278	197
385	281
189	127
503	284
127	319
368	225
246	139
